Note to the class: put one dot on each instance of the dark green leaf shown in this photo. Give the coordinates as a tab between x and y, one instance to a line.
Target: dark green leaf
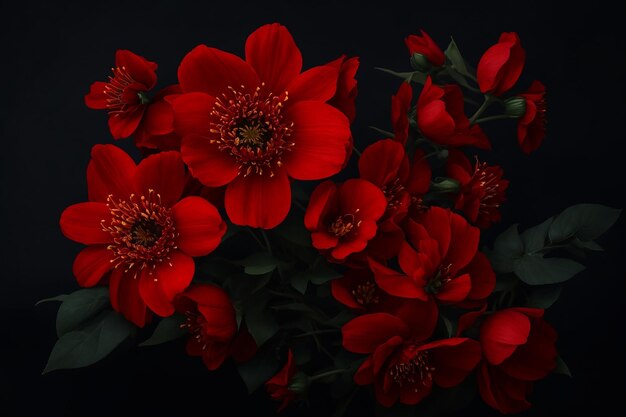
318	274
292	229
168	329
589	245
259	369
543	296
585	221
411	77
537	270
505	282
561	367
448	325
259	318
534	238
455	58
456	76
90	343
80	306
61	297
259	263
508	248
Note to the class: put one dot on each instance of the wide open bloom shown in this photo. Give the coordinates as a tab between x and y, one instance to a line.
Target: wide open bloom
482	188
254	124
403	365
518	348
501	65
531	127
424	45
124	95
441	117
440	260
140	231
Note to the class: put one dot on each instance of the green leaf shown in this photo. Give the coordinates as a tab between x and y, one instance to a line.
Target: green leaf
456	76
455	58
444	185
80	306
507	249
318	274
259	263
561	367
259	369
410	77
590	245
584	221
292	229
534	238
543	296
89	344
537	270
60	297
448	325
168	329
259	318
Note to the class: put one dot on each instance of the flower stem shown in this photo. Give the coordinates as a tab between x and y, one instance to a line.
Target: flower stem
356	151
258	241
496	117
488	100
267	242
327	374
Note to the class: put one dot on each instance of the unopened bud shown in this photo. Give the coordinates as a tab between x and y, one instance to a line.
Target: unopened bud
299	384
420	63
515	106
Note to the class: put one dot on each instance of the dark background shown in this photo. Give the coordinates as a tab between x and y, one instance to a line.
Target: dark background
51	52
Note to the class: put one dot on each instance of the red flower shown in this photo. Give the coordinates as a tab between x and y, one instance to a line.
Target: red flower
501	65
254	124
441	117
210	318
124	96
139	231
400	106
346	86
531	127
342	218
442	261
482	188
156	130
402	365
425	46
278	385
358	291
518	346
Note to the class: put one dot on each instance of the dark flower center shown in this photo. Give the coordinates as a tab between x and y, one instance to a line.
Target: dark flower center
115	89
366	294
439	280
393	193
344	224
195	323
143	231
251	128
489	180
413	367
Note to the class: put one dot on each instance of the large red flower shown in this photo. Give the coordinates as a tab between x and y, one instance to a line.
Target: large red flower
254	124
278	385
531	127
482	188
210	318
441	117
501	65
519	348
401	364
343	218
124	95
425	46
442	261
140	231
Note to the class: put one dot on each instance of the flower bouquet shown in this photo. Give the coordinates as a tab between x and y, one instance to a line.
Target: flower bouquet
375	280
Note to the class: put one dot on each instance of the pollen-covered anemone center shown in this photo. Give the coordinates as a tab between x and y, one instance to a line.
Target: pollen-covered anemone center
143	232
251	127
439	280
413	368
366	293
195	324
488	179
344	224
118	99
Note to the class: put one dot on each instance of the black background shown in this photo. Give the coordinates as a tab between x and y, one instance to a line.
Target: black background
52	51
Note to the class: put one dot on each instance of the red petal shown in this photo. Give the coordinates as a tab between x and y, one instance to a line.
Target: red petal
409	261
272	52
455	290
420	316
501	333
483	277
164	173
259	200
110	171
211	71
125	298
363	199
206	162
214	355
318	204
192	113
394	283
320	134
381	162
91	264
83	223
97	99
159	118
365	333
463	242
123	125
199	225
317	84
139	68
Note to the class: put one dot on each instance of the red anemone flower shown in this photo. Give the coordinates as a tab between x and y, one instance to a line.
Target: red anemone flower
254	124
357	290
278	385
482	188
343	218
124	95
402	365
425	46
442	261
531	127
441	117
140	231
501	65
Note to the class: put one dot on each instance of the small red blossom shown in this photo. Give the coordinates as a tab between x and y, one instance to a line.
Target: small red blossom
343	218
531	127
400	106
139	231
403	365
482	188
156	130
424	45
347	90
358	290
252	125
501	65
278	385
441	117
439	261
124	95
519	348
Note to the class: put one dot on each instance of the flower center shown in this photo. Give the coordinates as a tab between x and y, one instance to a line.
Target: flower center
115	89
195	323
489	180
252	129
143	232
440	279
344	224
393	193
413	368
366	294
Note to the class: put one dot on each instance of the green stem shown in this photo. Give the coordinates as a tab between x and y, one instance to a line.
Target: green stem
488	100
356	151
496	117
299	205
258	241
327	374
267	242
316	332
